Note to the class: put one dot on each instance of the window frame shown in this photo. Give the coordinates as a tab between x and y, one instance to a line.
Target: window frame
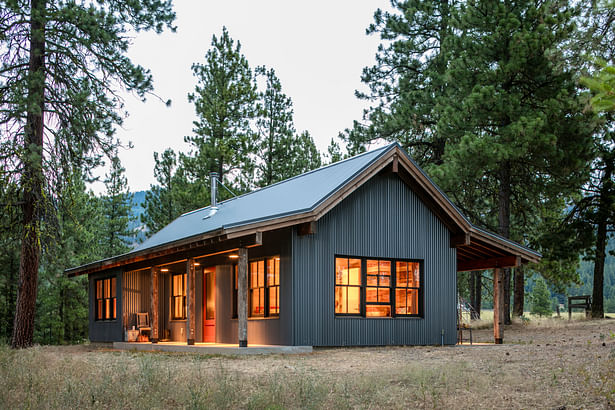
182	295
234	295
112	299
392	288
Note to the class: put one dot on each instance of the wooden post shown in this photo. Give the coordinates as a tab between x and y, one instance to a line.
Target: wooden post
498	332
154	304
190	297
242	298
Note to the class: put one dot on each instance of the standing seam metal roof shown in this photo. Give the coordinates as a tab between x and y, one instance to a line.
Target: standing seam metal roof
293	196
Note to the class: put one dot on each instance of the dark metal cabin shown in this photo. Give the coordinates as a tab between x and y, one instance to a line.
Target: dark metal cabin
361	252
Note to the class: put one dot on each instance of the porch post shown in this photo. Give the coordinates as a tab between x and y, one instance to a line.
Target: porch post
154	304
242	297
190	296
498	313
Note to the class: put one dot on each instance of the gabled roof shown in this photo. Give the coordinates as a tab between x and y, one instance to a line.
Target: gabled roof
305	198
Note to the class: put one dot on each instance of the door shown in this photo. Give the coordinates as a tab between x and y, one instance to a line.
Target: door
209	300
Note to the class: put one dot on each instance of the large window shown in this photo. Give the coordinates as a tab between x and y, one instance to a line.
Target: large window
178	297
377	287
106	302
273	286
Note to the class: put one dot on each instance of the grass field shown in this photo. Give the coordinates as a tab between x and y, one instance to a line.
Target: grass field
548	363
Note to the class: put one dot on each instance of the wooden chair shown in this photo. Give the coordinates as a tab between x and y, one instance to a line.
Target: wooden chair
143	323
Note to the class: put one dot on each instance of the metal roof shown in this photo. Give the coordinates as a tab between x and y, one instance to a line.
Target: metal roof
296	195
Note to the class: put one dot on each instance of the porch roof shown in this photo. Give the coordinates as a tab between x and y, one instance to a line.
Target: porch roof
305	198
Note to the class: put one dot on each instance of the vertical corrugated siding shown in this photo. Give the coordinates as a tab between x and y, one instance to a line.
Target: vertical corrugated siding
382	219
136	291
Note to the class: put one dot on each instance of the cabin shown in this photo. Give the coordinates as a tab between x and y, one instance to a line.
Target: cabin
361	252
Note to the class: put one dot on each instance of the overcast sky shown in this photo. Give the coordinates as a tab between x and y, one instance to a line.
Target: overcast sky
317	48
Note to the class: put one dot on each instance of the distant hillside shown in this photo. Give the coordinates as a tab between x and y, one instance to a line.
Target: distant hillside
138	198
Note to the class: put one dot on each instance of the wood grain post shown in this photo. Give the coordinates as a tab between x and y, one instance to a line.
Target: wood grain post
498	314
242	298
154	304
190	297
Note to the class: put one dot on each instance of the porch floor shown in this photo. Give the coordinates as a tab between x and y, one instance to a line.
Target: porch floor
211	348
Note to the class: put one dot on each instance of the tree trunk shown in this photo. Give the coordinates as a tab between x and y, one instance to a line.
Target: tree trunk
604	210
31	182
476	293
504	228
597	294
519	292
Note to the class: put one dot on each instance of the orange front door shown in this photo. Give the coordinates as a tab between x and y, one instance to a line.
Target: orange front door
209	308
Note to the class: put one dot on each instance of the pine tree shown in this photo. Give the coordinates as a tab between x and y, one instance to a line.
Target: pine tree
409	81
275	131
225	102
117	210
173	194
304	156
522	121
62	64
334	152
541	299
72	238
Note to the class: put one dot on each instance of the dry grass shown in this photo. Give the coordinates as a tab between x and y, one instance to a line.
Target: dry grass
546	365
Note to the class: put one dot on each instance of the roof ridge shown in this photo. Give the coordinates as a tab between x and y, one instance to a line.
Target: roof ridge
383	148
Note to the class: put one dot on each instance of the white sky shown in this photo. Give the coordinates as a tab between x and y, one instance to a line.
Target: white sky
317	48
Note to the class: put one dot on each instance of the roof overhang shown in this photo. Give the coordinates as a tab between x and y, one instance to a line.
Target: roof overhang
476	248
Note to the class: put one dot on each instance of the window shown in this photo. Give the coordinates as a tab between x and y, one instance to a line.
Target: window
273	286
257	289
178	297
106	302
377	287
347	286
407	288
263	288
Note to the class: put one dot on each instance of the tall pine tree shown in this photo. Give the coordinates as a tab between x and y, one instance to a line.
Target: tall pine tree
62	65
117	211
225	102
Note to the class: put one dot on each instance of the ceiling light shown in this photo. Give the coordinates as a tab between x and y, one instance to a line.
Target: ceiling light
233	256
164	270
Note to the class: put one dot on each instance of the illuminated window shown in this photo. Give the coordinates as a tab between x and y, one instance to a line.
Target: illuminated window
347	286
407	288
377	287
178	297
273	286
106	301
263	288
257	288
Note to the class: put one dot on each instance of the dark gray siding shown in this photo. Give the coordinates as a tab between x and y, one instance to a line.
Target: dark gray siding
382	219
274	331
108	330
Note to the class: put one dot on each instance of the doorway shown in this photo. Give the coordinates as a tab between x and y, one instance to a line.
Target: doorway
209	302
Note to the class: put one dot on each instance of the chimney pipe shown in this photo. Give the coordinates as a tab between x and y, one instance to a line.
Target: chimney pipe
213	177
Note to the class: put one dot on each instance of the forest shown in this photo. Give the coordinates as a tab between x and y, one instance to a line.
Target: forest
508	106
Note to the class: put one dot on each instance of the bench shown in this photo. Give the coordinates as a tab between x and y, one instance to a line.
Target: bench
583	301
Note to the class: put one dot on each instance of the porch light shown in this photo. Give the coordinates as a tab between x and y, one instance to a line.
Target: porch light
233	256
164	270
197	264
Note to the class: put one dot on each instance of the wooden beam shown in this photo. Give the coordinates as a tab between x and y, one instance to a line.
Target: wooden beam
196	250
306	228
395	166
154	304
460	240
498	304
482	264
242	297
190	296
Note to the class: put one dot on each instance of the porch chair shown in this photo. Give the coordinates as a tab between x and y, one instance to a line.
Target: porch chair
143	323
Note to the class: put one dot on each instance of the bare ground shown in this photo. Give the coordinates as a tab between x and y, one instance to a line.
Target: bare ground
545	364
